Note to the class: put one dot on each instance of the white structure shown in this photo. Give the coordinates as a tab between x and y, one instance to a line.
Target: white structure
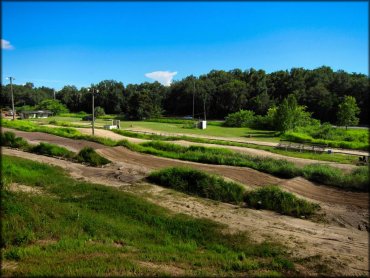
115	125
202	124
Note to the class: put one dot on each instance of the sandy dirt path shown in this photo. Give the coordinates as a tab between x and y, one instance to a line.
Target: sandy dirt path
344	249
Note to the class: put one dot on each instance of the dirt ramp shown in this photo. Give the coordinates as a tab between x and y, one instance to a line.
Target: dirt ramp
243	175
71	144
326	194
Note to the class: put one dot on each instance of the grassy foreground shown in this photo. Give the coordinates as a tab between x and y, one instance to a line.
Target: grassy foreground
76	228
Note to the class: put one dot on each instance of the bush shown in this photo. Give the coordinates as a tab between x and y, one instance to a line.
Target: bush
54	106
273	198
88	155
99	111
243	118
198	183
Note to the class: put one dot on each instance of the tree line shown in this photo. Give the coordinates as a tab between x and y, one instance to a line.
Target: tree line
218	92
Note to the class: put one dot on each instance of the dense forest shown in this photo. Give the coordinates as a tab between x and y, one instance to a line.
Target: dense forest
220	92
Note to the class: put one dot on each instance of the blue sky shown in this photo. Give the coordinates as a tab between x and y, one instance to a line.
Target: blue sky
78	43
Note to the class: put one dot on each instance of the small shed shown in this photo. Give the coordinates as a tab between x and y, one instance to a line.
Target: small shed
35	114
202	124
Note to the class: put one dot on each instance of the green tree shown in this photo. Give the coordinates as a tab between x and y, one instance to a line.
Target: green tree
290	115
52	105
99	111
243	118
347	112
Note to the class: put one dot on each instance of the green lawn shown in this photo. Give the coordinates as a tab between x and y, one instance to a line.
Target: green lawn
215	130
76	228
211	130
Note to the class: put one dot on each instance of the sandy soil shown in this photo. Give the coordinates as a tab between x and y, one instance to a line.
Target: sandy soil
342	245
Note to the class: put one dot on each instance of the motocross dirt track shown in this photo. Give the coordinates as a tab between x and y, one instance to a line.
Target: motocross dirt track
340	241
341	245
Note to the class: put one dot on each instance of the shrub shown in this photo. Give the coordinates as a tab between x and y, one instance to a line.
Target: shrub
88	155
243	118
198	183
99	111
273	198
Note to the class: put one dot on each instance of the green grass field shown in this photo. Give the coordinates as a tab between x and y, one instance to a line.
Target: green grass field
76	228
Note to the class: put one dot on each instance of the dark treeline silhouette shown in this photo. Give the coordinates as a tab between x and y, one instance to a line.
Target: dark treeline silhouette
220	92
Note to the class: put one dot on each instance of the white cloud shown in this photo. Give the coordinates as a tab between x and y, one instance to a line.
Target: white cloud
6	45
163	77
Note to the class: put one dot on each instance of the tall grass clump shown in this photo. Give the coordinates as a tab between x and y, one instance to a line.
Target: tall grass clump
52	150
322	173
90	156
198	183
273	198
358	179
9	139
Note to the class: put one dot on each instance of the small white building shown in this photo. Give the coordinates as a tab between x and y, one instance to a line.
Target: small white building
35	114
202	124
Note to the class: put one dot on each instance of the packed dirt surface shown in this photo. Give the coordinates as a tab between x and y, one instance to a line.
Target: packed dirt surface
342	246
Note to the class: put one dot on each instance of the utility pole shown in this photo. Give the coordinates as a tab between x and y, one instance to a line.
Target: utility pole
193	97
54	93
92	89
204	107
11	90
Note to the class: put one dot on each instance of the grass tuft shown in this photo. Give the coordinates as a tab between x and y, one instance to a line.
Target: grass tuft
90	156
198	183
273	198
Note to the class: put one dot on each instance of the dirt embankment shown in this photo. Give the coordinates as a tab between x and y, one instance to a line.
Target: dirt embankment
342	247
